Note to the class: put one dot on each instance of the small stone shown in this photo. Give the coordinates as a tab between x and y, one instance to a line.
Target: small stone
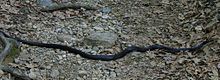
181	60
82	72
218	41
113	74
54	73
17	61
218	66
65	38
37	59
198	28
64	56
106	16
165	1
153	63
218	4
60	57
106	10
112	28
35	26
33	74
48	67
1	72
43	72
79	61
59	30
83	25
98	28
196	60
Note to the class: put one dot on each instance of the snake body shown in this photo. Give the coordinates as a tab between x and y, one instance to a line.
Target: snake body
119	55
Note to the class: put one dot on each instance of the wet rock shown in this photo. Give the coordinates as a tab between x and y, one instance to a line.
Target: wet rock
106	39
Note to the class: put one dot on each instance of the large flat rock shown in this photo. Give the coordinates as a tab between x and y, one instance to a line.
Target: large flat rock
106	39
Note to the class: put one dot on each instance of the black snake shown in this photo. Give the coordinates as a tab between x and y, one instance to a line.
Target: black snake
109	57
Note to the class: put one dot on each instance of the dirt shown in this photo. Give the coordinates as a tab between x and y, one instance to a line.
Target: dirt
137	22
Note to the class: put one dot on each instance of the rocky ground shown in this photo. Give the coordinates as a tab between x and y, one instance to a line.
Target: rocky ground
113	25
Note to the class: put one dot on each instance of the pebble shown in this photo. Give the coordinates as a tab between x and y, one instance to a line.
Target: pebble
218	66
64	56
1	72
82	72
60	57
113	74
98	28
34	73
54	73
153	63
198	28
106	10
48	67
181	60
106	16
218	4
65	38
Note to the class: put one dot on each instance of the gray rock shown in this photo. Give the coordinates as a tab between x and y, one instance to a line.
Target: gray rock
113	74
65	38
44	2
1	72
218	4
218	66
105	10
106	16
34	73
106	39
54	73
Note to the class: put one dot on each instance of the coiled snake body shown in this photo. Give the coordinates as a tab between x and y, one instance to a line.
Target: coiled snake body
108	57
